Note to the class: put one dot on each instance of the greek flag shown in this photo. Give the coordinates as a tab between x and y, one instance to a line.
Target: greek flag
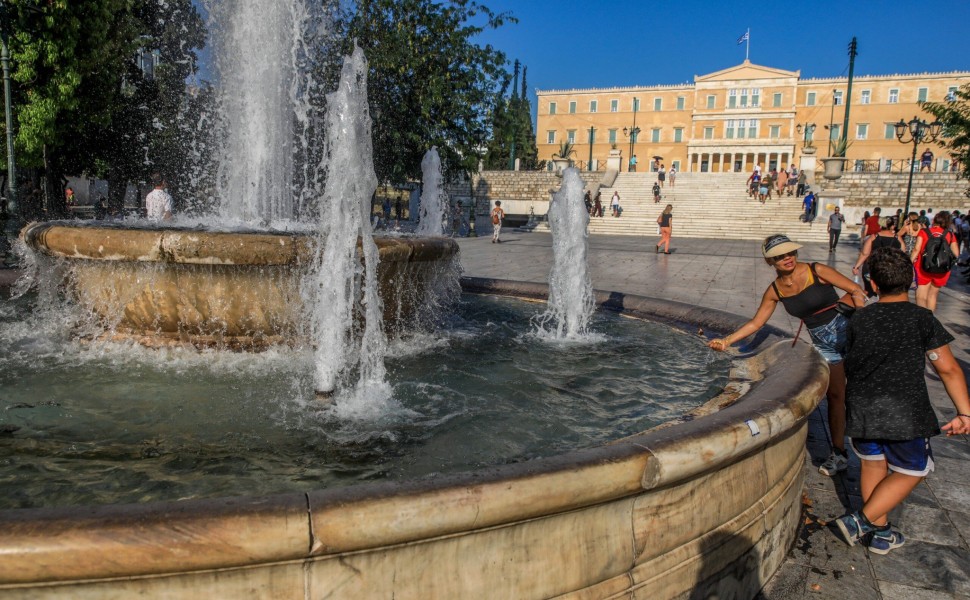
743	38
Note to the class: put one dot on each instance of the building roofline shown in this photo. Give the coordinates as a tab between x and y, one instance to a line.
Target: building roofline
625	88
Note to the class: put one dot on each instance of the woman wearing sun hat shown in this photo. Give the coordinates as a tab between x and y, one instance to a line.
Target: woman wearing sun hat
808	292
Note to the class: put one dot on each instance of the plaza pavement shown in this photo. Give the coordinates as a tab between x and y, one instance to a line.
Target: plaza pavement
730	275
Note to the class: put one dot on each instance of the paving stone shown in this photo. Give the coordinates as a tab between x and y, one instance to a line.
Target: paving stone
952	496
961	521
842	584
955	470
789	583
891	591
927	524
925	565
951	447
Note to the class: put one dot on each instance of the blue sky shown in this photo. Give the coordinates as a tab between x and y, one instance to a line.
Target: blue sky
595	43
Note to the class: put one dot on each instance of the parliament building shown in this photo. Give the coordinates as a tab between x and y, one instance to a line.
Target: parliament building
748	114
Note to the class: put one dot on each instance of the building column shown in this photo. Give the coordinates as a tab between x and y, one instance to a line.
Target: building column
723	157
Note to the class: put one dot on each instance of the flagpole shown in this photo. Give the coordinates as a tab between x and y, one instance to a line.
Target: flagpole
747	46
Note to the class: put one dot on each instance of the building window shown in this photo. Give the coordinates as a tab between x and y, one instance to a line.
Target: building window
657	104
837	97
866	96
636	104
756	97
776	99
552	108
774	132
894	96
593	106
861	131
890	131
678	134
708	133
810	99
732	99
571	136
921	94
680	103
729	129
572	107
612	137
614	105
655	135
676	165
752	128
710	101
951	93
550	137
834	132
744	97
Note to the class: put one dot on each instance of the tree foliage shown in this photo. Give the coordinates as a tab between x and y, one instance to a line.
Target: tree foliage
955	115
430	84
512	123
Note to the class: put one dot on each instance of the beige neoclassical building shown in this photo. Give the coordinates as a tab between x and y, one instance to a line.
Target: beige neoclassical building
748	114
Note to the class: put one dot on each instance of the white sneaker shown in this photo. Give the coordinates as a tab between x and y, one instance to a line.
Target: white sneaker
833	464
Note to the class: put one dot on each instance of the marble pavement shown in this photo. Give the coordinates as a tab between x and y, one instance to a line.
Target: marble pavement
730	275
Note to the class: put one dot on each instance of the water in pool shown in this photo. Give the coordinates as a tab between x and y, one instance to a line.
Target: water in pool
98	423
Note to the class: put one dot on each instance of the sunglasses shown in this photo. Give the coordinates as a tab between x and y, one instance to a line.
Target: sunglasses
782	257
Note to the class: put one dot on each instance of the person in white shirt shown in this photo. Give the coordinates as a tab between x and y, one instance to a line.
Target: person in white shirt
158	203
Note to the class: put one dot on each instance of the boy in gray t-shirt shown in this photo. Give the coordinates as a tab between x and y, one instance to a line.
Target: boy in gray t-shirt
889	418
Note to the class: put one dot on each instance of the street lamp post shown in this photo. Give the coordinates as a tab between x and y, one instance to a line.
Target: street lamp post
633	131
12	207
919	133
809	129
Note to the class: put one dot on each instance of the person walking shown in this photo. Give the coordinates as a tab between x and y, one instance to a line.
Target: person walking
889	417
664	221
598	205
909	231
497	215
802	178
884	238
930	258
633	163
807	292
809	205
661	175
672	174
615	204
588	201
782	182
656	193
835	228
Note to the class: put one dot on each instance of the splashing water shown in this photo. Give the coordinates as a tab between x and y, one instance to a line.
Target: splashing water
570	304
433	199
347	323
264	104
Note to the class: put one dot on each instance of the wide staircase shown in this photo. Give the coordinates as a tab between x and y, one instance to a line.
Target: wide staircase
710	205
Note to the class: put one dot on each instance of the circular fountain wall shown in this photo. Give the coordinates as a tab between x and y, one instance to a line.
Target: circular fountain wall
709	501
240	289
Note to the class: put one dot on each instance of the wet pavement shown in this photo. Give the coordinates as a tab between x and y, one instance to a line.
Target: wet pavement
730	275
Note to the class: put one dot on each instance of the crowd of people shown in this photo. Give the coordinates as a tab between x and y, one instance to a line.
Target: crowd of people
762	186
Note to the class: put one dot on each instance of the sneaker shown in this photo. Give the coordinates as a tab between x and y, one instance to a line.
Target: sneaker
833	464
853	528
884	540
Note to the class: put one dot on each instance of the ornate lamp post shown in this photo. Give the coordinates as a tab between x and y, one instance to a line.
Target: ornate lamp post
809	129
633	131
919	133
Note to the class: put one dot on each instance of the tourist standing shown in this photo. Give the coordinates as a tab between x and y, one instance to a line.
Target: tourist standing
497	215
933	273
664	220
598	205
673	175
633	163
615	204
802	178
782	182
809	205
909	232
835	228
889	416
872	223
656	193
792	180
158	203
926	160
588	201
661	175
765	189
807	291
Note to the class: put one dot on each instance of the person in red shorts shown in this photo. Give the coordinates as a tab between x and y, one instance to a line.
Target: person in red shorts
872	223
928	284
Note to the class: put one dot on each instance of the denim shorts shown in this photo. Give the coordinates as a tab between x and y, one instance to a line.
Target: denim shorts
909	457
830	339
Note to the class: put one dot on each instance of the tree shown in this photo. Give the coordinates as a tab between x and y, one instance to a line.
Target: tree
430	85
512	123
954	113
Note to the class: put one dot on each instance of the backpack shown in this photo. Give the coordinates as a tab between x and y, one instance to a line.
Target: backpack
495	218
937	256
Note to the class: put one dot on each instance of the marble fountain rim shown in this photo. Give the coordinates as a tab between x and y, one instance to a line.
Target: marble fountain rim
781	386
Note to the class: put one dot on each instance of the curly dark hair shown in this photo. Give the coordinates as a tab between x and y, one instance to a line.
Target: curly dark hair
891	270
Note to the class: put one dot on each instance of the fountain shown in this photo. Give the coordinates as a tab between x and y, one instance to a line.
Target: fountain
704	502
433	200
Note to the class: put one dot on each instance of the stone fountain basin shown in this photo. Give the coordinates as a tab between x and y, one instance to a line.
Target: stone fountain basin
706	505
161	286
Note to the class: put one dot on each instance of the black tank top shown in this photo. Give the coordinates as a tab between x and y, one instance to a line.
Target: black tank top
665	219
806	304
